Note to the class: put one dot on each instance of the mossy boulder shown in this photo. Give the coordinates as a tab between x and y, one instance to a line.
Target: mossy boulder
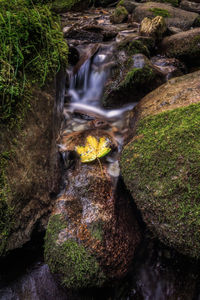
131	80
174	17
119	15
92	233
161	163
184	46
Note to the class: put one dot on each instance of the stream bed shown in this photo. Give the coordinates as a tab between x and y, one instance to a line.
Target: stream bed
157	272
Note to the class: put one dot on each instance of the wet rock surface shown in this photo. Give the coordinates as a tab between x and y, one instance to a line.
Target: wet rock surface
33	173
92	231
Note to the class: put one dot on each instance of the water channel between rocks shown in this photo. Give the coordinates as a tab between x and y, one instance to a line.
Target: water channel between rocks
157	273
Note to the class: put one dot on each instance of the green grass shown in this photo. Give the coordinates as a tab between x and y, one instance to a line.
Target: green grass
32	50
162	169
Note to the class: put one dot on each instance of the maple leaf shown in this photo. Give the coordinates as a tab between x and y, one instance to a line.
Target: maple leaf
93	149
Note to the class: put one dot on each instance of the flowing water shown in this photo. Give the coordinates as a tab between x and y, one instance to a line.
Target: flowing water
157	272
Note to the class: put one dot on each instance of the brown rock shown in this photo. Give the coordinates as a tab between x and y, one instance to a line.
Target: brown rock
184	45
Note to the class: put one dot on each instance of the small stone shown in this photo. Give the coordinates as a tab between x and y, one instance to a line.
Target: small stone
119	15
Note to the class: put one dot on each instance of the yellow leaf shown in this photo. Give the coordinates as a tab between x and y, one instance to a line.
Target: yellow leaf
93	149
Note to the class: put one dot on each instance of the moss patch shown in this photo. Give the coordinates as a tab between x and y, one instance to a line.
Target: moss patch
160	12
161	167
32	50
134	47
76	266
138	76
119	15
66	5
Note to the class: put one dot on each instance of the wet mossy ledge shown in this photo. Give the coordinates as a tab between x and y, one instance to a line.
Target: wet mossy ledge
74	265
161	167
32	51
60	6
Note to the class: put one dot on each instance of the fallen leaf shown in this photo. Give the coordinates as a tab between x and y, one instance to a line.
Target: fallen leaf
93	149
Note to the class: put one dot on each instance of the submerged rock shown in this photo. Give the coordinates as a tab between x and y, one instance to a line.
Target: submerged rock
184	46
161	163
92	233
175	17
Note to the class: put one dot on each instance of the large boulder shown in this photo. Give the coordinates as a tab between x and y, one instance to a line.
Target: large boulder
174	17
92	233
29	172
184	46
161	163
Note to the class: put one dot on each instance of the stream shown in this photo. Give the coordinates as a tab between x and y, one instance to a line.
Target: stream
157	273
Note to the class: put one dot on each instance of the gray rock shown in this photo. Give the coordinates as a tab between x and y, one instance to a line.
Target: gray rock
190	6
175	17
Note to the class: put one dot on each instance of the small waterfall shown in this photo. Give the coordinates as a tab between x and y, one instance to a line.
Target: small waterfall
87	86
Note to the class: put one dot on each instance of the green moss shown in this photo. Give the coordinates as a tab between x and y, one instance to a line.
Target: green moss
5	208
134	47
161	167
64	5
138	76
160	12
174	3
32	50
120	3
76	266
119	15
97	231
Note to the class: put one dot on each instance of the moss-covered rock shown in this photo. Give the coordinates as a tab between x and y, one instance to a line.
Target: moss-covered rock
119	15
130	5
77	268
161	163
92	233
136	77
184	46
61	6
173	16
